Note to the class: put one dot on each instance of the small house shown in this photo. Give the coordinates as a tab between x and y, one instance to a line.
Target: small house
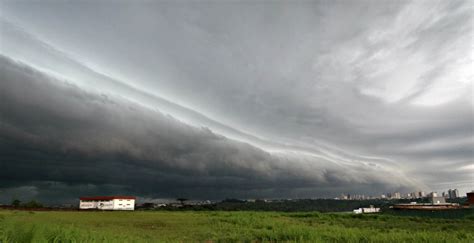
108	203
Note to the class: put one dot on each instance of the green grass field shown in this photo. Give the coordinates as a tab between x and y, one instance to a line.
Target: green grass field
189	226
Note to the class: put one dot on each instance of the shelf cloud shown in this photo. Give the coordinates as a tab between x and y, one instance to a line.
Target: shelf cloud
218	100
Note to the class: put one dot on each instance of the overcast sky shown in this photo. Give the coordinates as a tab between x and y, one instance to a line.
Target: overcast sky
243	99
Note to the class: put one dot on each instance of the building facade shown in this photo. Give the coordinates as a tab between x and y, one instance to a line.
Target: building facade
370	209
108	203
396	195
453	193
470	199
438	200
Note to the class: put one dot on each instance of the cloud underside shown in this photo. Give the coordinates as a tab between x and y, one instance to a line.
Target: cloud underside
55	135
214	100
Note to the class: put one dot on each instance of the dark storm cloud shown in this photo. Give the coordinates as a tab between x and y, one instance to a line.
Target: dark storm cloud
53	131
309	96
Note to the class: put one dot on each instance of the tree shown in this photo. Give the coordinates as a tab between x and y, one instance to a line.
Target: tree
16	203
181	200
33	204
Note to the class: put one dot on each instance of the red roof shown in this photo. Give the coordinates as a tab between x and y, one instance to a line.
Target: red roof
106	198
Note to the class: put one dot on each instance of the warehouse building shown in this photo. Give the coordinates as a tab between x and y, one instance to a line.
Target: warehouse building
108	203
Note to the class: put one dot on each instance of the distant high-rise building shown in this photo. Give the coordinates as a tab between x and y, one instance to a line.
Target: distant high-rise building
421	194
454	193
396	195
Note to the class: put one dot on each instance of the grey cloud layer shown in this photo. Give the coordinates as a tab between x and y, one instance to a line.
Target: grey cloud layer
53	131
329	86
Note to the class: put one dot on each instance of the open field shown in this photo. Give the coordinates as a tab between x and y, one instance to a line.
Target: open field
189	226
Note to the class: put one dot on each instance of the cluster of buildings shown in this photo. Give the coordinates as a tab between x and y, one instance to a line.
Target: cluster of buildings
393	195
436	202
129	203
451	194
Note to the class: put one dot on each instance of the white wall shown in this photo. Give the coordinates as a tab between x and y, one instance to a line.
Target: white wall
87	205
124	204
115	204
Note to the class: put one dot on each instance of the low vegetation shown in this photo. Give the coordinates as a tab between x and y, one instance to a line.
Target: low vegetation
31	204
219	226
298	205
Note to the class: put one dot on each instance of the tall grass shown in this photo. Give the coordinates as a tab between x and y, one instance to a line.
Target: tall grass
227	227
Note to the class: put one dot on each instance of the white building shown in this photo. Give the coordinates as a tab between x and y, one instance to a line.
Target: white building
370	209
438	200
108	203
